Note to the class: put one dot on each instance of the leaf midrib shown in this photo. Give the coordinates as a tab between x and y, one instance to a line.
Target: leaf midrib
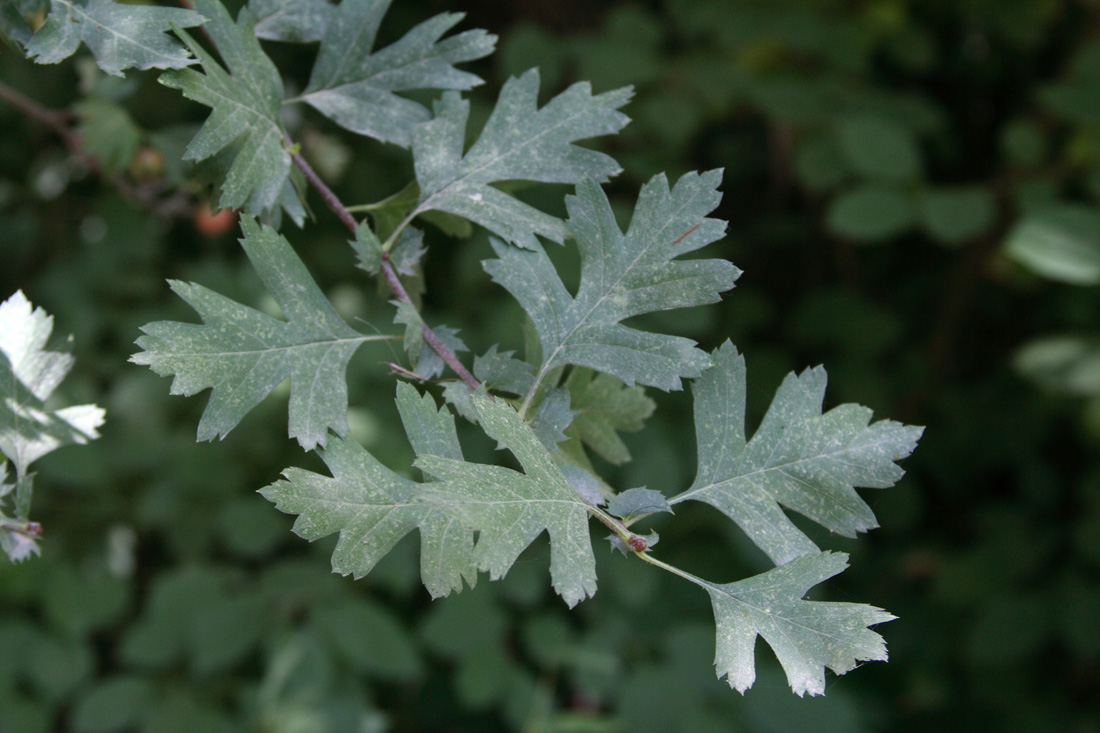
777	467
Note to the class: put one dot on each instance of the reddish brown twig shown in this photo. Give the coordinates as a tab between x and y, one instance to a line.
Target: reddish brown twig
394	282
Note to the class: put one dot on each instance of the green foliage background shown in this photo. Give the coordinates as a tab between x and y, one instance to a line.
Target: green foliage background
878	156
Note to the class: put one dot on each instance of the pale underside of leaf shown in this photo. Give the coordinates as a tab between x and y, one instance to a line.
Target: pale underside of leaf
29	373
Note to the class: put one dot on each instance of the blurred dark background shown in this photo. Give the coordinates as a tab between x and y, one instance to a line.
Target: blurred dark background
912	191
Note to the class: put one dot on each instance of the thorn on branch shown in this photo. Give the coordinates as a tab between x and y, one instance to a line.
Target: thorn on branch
401	371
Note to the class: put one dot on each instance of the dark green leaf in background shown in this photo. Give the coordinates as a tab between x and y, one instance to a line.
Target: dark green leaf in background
605	406
115	704
871	213
953	215
371	638
108	132
1059	242
879	149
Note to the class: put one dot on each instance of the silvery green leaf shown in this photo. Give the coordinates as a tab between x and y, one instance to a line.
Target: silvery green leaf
30	371
520	142
1063	364
120	36
243	354
354	86
510	509
372	508
634	503
799	458
806	636
605	406
296	21
245	103
624	275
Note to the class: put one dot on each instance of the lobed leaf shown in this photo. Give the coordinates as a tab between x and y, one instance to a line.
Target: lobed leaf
245	101
120	36
510	509
799	458
624	275
354	86
520	142
371	507
243	354
806	636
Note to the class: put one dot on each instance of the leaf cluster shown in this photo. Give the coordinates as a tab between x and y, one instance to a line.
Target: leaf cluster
581	379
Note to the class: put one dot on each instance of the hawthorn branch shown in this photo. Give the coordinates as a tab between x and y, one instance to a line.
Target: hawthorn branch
59	123
394	282
337	206
56	121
